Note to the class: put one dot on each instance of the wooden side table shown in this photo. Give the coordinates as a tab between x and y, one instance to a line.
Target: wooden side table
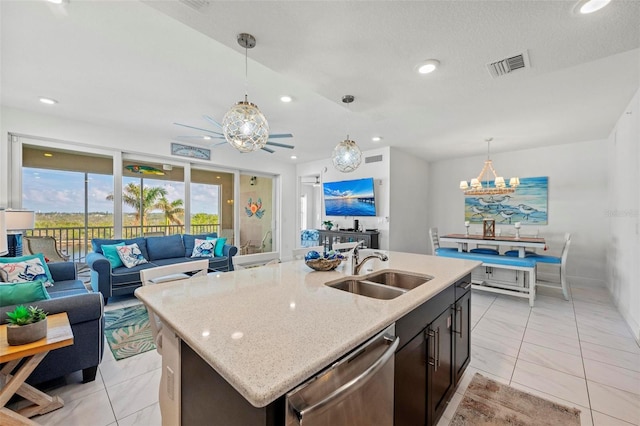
59	335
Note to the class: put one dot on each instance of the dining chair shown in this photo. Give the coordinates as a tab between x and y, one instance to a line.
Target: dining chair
560	262
299	253
435	242
168	273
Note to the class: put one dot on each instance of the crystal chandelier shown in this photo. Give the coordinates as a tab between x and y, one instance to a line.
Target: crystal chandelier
244	126
346	155
499	186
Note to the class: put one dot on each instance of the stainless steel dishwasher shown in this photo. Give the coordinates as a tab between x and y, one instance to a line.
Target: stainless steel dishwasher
356	390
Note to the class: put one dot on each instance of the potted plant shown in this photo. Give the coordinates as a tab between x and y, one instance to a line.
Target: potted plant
26	325
328	225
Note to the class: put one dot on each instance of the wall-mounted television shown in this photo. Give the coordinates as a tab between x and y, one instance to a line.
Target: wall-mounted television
350	198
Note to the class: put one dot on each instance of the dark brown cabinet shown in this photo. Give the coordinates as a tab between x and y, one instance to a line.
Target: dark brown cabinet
433	354
370	238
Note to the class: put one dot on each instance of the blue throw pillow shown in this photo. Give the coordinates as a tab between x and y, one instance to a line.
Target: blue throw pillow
220	242
111	253
25	292
29	268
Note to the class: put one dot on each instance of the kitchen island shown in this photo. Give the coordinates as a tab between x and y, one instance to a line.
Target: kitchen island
266	330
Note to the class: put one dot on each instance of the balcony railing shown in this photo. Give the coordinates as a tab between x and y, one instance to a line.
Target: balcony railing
76	242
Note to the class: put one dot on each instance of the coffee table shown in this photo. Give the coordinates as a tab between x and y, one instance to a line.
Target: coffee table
12	382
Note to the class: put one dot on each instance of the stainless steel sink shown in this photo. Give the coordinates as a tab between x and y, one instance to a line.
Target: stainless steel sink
386	284
399	279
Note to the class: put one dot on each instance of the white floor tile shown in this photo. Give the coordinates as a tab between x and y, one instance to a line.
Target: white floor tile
551	358
75	389
607	355
145	417
614	402
492	362
77	412
621	378
506	314
561	327
500	328
600	419
615	327
609	340
115	372
553	382
135	394
552	341
497	343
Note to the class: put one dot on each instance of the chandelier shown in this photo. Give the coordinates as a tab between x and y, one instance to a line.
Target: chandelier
244	126
346	155
475	187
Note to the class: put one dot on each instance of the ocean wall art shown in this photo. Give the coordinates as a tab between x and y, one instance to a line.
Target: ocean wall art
527	205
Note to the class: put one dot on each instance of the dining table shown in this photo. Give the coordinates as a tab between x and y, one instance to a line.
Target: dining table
515	242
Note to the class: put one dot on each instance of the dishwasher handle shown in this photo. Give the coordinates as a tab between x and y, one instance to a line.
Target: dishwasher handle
352	384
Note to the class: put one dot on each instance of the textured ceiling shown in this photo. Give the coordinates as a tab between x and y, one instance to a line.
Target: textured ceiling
143	66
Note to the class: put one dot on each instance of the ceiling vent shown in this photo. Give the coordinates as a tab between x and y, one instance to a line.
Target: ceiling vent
197	5
373	159
508	65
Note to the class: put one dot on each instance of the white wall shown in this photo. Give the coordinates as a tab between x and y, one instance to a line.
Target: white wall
408	202
119	139
577	197
623	213
379	171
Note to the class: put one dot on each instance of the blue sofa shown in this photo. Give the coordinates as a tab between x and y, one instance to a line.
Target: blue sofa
159	251
85	311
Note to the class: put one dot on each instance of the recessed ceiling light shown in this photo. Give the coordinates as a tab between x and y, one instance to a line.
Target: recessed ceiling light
48	101
48	154
590	6
286	98
376	138
56	1
294	157
428	66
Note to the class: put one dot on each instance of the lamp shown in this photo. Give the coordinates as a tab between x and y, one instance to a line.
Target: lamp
4	245
17	221
244	126
346	155
474	187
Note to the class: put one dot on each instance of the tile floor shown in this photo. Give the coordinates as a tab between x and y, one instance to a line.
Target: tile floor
578	353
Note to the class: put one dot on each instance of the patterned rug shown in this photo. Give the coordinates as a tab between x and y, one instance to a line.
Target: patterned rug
487	402
128	331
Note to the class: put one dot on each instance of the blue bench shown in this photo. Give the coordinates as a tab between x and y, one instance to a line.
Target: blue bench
524	264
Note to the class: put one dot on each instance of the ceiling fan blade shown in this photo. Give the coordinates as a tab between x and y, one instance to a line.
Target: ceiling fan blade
211	120
203	138
270	151
199	128
218	143
280	145
280	135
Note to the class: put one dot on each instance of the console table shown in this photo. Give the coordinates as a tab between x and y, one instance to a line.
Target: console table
59	335
327	238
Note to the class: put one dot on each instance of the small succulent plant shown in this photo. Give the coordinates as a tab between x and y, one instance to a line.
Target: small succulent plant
328	224
24	316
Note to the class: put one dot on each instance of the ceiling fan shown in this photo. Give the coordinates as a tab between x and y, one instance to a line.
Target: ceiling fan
212	134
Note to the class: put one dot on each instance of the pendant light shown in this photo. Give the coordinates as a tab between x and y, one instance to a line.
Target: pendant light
346	155
475	187
244	126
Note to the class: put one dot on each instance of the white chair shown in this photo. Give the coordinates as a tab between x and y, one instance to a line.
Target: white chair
435	242
560	262
299	253
168	273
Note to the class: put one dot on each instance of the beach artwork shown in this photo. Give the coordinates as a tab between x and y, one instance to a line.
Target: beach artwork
527	205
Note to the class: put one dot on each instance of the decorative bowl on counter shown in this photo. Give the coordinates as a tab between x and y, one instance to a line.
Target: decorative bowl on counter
323	264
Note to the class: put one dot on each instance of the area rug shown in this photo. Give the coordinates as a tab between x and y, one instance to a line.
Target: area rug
128	331
487	402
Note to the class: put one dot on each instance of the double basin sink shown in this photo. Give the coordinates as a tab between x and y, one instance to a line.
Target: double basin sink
386	284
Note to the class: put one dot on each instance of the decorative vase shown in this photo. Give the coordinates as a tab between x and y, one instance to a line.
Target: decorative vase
23	334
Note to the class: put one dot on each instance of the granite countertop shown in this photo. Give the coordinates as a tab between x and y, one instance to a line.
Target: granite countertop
267	329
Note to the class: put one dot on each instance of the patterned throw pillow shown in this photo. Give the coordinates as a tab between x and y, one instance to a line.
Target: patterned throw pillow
204	248
26	268
220	242
131	255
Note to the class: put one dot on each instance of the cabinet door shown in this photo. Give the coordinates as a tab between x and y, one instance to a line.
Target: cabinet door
439	368
410	383
461	335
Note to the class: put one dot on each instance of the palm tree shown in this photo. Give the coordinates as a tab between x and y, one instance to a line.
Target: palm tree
141	204
170	209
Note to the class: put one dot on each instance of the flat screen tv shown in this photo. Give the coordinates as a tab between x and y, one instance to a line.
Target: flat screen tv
350	198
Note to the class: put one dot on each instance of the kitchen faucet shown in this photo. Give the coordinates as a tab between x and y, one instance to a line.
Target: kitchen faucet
357	264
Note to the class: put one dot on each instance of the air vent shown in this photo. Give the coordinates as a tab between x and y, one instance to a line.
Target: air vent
508	65
372	159
198	5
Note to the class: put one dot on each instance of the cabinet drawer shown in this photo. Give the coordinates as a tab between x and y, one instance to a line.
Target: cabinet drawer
462	286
